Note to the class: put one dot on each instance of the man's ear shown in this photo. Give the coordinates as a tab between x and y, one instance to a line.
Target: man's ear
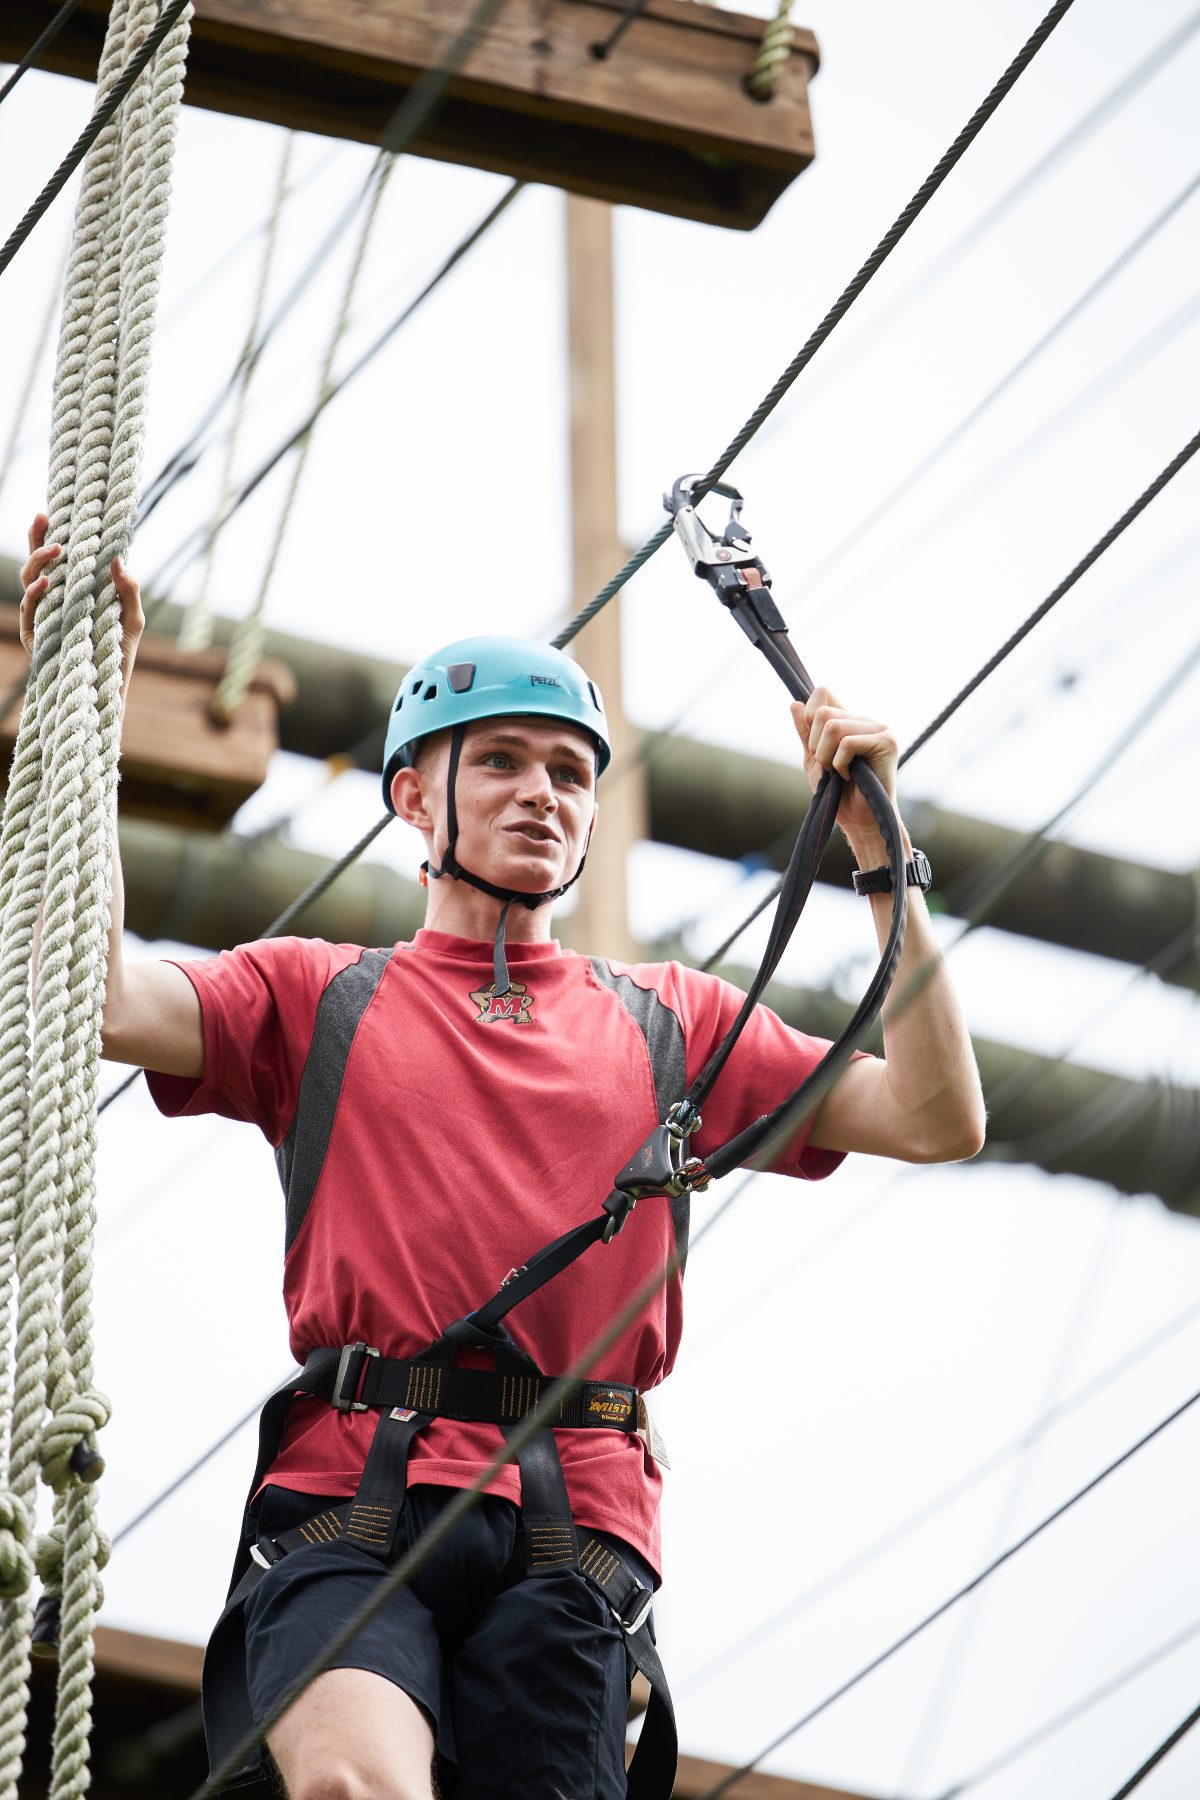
408	799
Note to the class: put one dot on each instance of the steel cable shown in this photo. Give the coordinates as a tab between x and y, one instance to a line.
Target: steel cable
168	19
836	313
1064	587
1078	134
932	1509
413	113
1152	1762
42	42
1011	376
198	541
993	663
1051	1727
731	1780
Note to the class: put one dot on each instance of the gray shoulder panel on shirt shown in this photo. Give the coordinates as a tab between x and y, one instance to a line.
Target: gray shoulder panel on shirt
301	1156
662	1029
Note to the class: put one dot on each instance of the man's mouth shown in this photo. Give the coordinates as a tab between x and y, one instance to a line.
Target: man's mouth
534	834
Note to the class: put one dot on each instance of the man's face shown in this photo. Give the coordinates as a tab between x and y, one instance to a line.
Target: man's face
525	795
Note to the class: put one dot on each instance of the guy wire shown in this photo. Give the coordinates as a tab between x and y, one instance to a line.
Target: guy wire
1152	1762
414	112
837	311
977	411
730	1781
167	20
1051	1727
42	42
1010	644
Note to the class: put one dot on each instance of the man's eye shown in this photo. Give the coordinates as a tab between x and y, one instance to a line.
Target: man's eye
571	775
498	758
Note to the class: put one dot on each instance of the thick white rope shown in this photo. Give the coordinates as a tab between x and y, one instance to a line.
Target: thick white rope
55	848
773	53
246	644
196	626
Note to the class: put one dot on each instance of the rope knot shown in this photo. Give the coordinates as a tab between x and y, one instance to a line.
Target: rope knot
67	1453
50	1550
16	1564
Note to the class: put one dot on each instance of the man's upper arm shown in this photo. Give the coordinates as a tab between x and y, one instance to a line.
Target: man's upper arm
860	1113
155	1021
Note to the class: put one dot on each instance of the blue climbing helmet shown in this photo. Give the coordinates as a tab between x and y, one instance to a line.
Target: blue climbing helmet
488	678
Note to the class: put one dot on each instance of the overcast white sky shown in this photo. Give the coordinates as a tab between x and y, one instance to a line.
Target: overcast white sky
905	1323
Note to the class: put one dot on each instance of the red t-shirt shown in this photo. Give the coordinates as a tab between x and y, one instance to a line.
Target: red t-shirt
465	1138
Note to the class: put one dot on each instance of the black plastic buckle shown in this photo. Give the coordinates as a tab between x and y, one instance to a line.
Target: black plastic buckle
349	1377
266	1552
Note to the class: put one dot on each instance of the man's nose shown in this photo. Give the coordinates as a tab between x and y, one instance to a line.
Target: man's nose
537	789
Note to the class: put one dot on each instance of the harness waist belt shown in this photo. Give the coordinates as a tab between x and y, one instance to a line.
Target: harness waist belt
364	1379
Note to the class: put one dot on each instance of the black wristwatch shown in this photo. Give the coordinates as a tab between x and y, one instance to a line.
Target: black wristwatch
879	881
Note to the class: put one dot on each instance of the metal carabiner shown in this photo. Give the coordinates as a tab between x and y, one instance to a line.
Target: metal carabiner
714	559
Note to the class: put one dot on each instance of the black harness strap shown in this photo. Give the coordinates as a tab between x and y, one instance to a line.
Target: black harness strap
301	1156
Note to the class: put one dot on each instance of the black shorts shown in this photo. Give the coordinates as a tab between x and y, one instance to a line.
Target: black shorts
524	1679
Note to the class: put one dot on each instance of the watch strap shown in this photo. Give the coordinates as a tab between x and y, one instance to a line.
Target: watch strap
917	873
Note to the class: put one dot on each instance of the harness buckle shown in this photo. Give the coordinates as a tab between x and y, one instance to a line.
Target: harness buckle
349	1376
643	1606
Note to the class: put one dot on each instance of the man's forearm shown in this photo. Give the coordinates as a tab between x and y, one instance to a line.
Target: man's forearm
931	1069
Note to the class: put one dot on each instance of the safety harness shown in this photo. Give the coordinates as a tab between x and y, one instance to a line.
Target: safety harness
409	1392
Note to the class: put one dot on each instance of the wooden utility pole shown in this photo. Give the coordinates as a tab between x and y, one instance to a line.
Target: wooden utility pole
601	919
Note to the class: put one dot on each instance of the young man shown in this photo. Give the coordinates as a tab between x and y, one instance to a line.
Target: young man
440	1111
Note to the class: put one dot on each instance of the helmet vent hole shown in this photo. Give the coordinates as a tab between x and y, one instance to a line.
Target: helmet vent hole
399	703
430	692
594	694
416	686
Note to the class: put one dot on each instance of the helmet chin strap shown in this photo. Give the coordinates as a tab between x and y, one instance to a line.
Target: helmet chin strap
450	865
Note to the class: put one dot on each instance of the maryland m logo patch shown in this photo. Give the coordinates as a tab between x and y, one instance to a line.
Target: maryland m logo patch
494	1008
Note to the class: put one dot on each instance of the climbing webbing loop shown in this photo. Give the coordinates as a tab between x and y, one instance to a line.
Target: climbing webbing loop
55	855
741	582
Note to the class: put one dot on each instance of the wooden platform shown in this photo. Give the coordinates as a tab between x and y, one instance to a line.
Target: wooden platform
663	123
176	766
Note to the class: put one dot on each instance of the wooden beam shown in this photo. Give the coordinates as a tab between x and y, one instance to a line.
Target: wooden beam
697	1777
164	1661
600	922
177	766
663	123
